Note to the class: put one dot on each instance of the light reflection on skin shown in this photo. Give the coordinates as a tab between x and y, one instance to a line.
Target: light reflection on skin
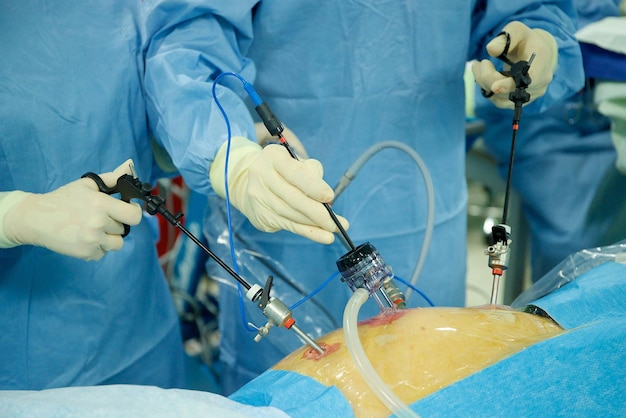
419	351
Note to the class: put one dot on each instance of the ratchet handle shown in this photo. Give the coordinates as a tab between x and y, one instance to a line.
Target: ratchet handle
127	186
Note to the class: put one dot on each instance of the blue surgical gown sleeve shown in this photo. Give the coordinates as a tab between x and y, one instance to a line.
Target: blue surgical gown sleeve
556	17
592	11
191	44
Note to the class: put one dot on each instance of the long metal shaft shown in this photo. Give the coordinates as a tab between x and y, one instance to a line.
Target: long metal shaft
225	266
308	340
494	289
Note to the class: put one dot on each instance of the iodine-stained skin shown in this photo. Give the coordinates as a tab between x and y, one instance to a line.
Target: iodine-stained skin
419	351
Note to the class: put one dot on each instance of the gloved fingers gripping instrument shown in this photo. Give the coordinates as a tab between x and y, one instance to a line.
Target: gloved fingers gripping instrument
127	186
277	313
276	128
518	71
73	220
516	43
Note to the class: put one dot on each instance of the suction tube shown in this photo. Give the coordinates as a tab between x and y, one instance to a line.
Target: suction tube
362	363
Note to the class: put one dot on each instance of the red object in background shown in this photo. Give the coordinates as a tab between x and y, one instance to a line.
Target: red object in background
174	194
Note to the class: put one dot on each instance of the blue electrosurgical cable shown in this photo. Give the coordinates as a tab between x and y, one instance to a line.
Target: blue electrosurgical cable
242	307
422	294
229	133
316	291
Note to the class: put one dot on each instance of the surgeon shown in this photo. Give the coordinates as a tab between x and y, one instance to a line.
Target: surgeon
572	195
344	76
79	304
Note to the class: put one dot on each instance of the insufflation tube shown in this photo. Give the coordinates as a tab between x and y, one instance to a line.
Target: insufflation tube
351	331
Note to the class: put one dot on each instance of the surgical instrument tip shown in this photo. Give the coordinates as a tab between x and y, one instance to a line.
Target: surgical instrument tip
494	288
308	340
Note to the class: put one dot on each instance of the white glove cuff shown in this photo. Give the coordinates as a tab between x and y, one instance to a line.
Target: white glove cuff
8	200
240	147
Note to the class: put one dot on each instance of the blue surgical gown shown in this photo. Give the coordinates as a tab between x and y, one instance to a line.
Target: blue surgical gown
344	75
572	195
84	86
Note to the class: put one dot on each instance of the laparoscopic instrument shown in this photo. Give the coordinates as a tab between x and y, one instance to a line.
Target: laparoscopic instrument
276	312
362	266
498	252
275	127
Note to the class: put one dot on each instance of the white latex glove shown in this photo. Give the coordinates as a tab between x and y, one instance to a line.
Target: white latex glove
275	191
75	219
524	42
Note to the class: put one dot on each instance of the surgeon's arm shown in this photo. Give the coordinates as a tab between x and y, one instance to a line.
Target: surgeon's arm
270	188
76	219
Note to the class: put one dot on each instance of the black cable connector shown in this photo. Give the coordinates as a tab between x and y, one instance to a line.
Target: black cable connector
271	122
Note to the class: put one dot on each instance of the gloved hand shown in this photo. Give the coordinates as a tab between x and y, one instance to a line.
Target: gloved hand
275	191
75	219
524	42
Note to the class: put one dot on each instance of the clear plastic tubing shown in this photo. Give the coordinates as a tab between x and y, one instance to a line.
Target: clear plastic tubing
363	364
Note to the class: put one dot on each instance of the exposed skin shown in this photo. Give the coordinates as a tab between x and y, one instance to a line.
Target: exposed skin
419	351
